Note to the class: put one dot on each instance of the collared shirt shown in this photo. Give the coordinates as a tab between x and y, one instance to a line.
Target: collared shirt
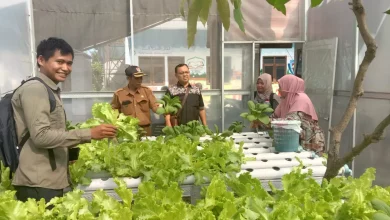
47	131
136	104
193	104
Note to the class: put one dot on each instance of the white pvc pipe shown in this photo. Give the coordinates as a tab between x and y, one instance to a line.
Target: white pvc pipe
109	184
275	172
282	163
201	139
252	140
258	150
269	174
254	145
275	156
250	134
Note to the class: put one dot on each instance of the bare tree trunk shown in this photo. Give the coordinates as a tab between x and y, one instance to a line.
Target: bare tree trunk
334	162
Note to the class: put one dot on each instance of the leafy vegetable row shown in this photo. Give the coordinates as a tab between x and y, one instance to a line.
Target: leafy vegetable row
227	197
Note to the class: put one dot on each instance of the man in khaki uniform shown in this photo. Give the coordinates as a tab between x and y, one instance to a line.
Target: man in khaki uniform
43	160
135	100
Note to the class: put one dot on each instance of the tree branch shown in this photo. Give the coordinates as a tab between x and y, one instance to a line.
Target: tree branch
357	91
334	162
368	139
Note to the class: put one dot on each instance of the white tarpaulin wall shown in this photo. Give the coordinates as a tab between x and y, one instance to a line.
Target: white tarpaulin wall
91	23
263	23
15	56
87	23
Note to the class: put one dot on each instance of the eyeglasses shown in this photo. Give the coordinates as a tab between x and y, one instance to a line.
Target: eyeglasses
184	73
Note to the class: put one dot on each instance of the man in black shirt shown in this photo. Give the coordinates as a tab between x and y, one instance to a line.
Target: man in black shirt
190	97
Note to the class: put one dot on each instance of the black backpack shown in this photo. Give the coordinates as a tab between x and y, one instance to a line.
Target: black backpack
9	146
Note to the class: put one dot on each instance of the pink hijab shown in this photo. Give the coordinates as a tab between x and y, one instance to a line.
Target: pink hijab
296	99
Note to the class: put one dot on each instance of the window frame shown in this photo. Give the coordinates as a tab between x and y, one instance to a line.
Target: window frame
274	66
150	65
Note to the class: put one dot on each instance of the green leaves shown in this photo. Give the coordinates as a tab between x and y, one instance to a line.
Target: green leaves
268	110
182	8
193	130
380	216
315	3
160	111
128	129
69	126
244	114
151	203
238	17
169	105
251	118
163	161
226	196
279	5
217	136
251	105
387	12
204	13
236	127
192	20
258	112
201	9
264	119
224	13
5	181
380	205
125	193
105	113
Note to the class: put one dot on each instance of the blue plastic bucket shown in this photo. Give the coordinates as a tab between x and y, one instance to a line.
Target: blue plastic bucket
286	135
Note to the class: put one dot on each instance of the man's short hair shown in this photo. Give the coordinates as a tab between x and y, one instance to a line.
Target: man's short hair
180	65
48	47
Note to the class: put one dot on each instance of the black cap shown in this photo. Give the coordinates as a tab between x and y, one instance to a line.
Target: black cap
134	71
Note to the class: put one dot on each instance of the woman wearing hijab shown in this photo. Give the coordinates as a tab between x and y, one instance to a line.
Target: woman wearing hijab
296	105
264	93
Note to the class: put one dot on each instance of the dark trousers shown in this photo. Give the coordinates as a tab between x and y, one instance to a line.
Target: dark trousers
25	192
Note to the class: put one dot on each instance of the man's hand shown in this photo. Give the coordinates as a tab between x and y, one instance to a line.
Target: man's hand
103	131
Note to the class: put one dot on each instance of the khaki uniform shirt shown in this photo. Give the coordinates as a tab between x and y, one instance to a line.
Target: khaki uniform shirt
47	130
136	104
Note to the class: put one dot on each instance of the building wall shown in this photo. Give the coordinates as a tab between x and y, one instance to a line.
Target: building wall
288	52
168	40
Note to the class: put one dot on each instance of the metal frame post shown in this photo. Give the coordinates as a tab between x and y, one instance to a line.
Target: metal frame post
132	52
30	14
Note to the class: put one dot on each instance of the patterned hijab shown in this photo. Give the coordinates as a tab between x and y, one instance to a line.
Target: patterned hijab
267	80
